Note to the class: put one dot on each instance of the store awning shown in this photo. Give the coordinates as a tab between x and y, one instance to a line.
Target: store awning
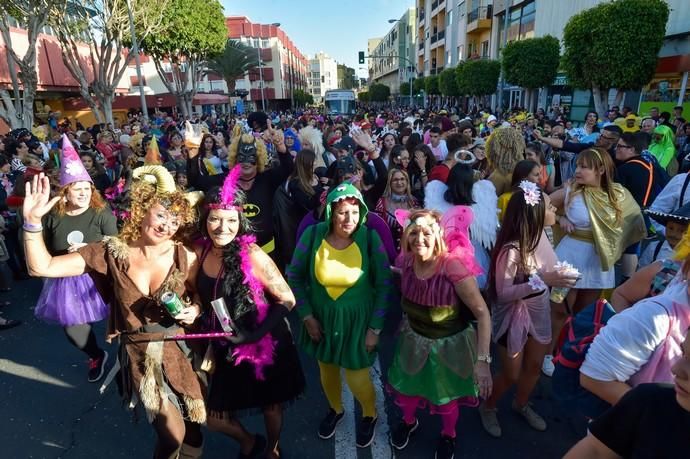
210	99
673	64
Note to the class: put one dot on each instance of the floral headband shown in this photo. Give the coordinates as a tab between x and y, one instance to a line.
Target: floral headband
531	192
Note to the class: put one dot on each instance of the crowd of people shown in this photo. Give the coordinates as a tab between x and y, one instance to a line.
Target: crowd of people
558	250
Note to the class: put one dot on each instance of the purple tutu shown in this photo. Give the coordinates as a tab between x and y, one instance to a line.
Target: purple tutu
70	301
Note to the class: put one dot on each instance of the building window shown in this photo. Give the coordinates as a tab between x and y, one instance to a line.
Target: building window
485	48
265	43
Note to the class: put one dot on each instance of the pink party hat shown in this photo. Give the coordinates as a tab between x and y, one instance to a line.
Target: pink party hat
71	168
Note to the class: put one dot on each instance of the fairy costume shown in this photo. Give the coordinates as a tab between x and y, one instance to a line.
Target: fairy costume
347	291
435	354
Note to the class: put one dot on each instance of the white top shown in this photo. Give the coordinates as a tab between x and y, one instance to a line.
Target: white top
577	212
668	199
441	151
630	337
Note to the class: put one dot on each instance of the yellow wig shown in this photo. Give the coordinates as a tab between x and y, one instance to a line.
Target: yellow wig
505	147
261	153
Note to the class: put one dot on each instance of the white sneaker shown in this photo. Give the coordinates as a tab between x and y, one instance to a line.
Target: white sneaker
547	367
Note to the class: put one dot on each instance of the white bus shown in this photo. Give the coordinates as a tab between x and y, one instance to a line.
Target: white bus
340	102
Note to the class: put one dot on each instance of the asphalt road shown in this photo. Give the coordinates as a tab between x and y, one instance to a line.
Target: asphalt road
49	410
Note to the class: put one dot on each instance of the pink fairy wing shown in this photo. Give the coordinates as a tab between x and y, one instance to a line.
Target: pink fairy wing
402	216
455	224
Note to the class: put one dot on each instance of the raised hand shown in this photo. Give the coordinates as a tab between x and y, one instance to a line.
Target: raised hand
37	201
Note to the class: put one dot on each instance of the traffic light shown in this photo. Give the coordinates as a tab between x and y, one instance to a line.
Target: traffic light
361	57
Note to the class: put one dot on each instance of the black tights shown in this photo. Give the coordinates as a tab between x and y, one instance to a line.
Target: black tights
82	337
172	431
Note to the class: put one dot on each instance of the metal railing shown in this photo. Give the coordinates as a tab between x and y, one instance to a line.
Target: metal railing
441	34
434	37
484	12
434	5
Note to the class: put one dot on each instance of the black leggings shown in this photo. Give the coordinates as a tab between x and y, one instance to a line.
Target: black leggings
82	337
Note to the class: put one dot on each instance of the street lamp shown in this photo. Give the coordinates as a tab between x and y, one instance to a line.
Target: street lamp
261	71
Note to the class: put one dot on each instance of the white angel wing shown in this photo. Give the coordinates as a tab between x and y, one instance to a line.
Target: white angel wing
485	224
433	196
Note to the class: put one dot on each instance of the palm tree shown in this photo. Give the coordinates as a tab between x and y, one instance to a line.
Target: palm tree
234	62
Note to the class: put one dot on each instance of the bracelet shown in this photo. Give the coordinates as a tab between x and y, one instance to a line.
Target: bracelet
484	358
31	228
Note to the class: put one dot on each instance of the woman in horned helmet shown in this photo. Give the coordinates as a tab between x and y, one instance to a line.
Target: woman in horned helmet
145	261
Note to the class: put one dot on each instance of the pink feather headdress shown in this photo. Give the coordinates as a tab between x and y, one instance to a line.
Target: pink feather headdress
227	193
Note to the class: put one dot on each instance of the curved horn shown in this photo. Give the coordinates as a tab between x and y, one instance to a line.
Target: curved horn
156	175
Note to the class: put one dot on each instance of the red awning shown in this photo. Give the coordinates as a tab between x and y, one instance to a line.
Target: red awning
673	64
210	99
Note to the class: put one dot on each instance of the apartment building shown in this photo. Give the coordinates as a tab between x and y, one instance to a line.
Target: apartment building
323	75
449	32
393	59
284	68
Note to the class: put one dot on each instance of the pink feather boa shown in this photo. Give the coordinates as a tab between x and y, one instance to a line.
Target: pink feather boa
259	354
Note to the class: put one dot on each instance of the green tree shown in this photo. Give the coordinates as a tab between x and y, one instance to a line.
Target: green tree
303	98
194	32
17	101
447	83
431	85
104	27
379	92
418	85
363	96
531	63
234	62
405	89
477	77
593	61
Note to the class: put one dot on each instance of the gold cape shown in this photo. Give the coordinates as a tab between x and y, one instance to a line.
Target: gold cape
611	237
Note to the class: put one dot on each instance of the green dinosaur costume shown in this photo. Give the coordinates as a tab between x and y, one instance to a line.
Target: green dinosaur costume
347	291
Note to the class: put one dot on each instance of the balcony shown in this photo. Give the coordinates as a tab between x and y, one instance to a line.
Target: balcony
434	38
479	19
421	46
420	15
434	5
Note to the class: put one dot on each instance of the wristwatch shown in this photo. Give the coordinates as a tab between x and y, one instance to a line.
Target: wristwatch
375	331
484	358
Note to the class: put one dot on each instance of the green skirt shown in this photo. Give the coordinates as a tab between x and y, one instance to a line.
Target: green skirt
438	370
345	325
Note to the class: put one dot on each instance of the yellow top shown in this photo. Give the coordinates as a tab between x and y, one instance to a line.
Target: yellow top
337	270
503	204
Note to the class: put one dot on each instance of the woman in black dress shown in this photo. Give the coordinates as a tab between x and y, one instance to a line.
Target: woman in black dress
259	368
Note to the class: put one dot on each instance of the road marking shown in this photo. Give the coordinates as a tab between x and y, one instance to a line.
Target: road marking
346	436
381	448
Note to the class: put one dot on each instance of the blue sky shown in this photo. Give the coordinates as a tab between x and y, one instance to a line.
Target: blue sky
340	29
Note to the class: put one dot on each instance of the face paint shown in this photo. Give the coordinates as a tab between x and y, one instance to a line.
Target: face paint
246	153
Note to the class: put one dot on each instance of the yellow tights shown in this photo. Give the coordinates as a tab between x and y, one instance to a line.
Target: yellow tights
359	383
